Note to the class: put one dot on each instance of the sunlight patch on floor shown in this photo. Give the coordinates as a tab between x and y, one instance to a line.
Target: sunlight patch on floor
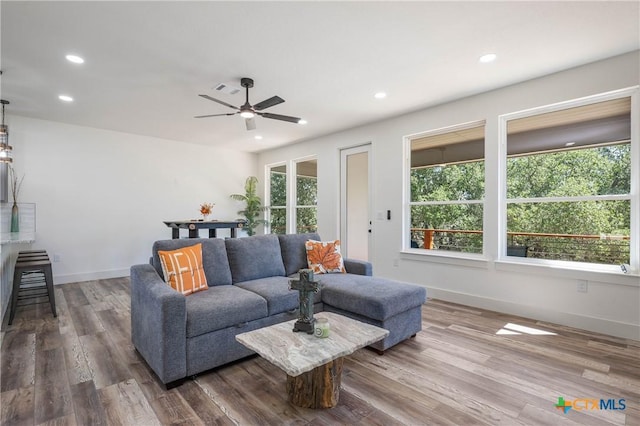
511	328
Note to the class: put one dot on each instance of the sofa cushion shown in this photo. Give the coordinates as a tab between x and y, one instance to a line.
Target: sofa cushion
254	257
221	307
294	255
324	257
375	298
214	257
276	292
182	269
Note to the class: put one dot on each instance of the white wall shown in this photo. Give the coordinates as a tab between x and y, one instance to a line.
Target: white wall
612	304
101	196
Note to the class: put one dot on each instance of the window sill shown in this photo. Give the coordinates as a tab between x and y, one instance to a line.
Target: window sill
524	266
571	271
469	260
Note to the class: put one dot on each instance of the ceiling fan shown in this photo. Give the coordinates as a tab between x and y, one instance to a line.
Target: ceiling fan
248	111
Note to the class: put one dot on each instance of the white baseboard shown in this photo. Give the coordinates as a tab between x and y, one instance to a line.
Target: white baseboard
597	325
90	276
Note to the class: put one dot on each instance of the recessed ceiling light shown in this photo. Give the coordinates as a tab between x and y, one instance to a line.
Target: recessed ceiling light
65	98
75	59
302	121
489	57
569	144
380	95
257	137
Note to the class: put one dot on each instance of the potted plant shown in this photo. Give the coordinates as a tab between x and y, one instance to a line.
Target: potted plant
253	205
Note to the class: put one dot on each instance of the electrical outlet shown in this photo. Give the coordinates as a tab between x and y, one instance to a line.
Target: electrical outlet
583	286
56	257
396	262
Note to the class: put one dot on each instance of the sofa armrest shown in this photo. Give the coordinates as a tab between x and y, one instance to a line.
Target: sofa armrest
158	323
359	267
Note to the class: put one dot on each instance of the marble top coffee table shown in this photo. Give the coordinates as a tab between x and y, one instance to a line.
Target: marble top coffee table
313	365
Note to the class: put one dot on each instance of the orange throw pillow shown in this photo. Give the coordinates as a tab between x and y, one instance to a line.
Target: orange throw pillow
183	269
324	257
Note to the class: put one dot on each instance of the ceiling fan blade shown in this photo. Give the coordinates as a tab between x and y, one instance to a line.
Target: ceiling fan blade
218	101
250	123
214	115
275	100
279	117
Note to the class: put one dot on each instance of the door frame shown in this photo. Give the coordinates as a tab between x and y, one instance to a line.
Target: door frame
367	148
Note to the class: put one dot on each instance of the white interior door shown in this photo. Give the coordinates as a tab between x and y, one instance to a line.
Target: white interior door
355	205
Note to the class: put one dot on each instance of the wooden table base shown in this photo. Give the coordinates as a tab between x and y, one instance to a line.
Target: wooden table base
318	388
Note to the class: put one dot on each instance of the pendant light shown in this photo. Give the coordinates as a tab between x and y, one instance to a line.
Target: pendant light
5	148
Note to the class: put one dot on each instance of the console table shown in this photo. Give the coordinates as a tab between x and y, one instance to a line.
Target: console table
194	227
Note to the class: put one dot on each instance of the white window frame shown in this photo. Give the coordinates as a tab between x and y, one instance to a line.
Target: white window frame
267	194
294	192
407	203
633	197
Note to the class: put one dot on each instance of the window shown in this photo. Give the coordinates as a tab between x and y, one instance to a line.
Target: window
568	184
446	189
277	203
293	210
306	209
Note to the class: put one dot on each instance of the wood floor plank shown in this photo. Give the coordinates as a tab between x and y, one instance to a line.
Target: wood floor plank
85	320
125	404
74	295
629	386
65	322
48	335
106	367
171	408
17	406
86	403
52	393
208	412
76	363
17	363
68	420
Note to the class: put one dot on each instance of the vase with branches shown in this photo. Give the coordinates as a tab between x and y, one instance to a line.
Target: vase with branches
16	184
253	205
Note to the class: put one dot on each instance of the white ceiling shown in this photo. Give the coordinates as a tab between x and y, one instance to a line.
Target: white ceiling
146	62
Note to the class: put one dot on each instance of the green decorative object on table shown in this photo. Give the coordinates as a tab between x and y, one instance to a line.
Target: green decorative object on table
15	218
321	328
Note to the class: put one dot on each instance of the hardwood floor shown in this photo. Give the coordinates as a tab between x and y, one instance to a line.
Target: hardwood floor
81	368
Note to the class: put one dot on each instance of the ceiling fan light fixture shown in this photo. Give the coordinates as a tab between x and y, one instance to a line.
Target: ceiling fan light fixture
248	111
302	121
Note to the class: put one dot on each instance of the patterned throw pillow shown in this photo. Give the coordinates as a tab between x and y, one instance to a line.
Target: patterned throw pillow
183	270
324	257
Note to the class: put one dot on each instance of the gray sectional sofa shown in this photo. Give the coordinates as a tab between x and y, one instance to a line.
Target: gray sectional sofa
248	282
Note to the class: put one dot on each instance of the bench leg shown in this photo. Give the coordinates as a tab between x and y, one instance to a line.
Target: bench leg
48	277
17	277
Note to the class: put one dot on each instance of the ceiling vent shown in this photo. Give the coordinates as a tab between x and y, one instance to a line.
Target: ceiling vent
227	88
